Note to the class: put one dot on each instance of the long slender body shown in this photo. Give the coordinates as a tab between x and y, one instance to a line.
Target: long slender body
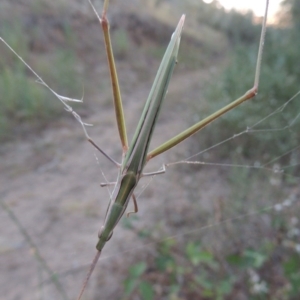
135	159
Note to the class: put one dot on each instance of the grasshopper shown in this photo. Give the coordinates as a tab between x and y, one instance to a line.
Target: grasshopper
135	155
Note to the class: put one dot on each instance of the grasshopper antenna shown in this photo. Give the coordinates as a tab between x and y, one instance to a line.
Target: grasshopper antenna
261	46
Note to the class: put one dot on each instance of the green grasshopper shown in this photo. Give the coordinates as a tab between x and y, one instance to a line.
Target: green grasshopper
135	156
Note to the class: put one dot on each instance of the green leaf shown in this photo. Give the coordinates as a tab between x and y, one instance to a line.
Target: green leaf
137	270
146	290
196	255
292	265
295	283
237	260
144	233
225	286
166	245
129	285
257	258
164	262
247	259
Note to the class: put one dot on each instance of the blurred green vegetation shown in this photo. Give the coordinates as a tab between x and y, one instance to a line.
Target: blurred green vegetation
246	247
279	81
227	260
25	104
